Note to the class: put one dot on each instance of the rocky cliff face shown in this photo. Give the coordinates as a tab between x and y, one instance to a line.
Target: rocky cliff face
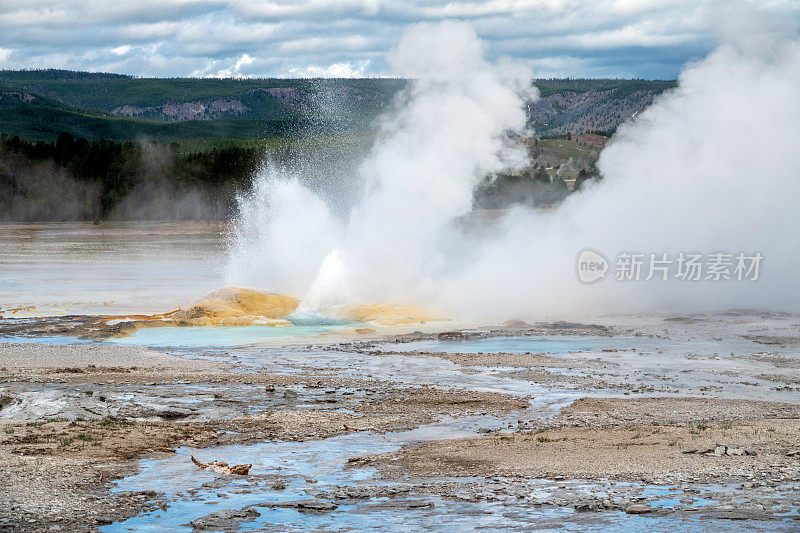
199	110
257	103
289	96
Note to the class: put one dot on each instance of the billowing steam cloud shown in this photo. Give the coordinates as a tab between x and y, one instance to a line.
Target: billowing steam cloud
710	167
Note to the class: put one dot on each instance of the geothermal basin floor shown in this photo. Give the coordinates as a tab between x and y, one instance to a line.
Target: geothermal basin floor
635	424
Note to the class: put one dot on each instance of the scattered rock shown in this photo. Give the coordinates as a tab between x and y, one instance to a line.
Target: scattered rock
166	413
347	427
222	520
311	505
369	491
586	507
316	505
736	514
358	461
421	505
638	508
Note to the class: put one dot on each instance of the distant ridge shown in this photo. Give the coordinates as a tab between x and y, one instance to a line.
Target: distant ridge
39	104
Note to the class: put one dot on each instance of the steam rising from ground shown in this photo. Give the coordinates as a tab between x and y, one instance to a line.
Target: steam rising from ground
156	197
42	191
709	167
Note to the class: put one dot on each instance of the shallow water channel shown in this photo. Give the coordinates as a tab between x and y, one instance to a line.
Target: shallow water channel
317	471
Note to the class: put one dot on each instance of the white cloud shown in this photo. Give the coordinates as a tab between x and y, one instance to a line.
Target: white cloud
244	60
5	53
209	37
310	44
83	13
212	70
295	8
336	70
121	50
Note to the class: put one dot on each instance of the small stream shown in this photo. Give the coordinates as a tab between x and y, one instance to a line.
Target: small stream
316	471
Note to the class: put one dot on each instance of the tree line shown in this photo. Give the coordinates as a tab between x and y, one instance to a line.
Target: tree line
103	173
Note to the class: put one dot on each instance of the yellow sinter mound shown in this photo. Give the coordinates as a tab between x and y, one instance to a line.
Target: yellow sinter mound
244	307
239	307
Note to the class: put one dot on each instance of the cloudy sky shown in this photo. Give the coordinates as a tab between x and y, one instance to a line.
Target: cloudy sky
580	38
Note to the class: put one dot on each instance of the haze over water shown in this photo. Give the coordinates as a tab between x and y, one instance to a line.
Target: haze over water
116	268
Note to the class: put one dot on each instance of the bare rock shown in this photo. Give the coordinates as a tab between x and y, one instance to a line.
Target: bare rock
316	505
224	519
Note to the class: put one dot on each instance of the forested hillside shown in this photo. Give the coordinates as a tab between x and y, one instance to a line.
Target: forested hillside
576	106
40	104
76	179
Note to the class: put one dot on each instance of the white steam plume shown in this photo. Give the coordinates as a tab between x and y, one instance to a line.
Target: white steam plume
710	167
448	132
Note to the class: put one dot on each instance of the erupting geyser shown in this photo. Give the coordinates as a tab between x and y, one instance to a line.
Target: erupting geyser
448	129
709	167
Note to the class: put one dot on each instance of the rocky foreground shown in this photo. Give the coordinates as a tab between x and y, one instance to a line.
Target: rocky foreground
596	435
73	427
